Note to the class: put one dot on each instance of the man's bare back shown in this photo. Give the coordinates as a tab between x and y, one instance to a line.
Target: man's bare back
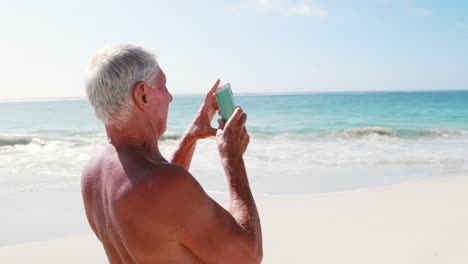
114	188
144	208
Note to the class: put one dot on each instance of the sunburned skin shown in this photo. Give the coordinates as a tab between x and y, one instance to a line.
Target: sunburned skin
147	209
115	185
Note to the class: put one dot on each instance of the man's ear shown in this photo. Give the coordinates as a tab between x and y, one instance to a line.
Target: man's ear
139	93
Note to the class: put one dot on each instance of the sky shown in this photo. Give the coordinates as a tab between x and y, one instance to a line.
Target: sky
258	46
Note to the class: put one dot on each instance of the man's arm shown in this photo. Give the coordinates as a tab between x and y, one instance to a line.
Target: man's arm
233	140
242	204
208	230
200	128
214	234
184	152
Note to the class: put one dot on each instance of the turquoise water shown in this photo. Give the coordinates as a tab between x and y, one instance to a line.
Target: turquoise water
406	114
301	143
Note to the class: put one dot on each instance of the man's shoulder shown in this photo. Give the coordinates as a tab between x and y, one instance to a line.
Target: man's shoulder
96	159
159	181
169	179
92	167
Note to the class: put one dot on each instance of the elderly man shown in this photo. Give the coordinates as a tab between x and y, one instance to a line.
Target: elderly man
143	208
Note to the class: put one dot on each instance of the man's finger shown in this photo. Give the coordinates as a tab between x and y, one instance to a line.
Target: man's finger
221	124
242	120
215	102
213	89
244	133
235	116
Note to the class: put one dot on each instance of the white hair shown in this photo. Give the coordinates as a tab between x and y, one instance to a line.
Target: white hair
110	76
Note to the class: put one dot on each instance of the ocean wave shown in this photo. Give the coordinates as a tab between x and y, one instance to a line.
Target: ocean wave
446	132
25	139
370	131
361	132
11	140
402	133
78	139
171	136
27	100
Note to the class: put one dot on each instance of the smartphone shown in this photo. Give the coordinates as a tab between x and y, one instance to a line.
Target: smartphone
226	104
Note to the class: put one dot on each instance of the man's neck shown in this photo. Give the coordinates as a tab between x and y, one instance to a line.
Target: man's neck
135	137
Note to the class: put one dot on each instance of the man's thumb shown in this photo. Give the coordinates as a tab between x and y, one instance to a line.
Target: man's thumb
221	124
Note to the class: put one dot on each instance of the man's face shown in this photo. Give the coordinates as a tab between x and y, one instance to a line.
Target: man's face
160	98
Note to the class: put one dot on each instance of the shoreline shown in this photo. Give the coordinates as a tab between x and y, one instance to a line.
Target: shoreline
417	222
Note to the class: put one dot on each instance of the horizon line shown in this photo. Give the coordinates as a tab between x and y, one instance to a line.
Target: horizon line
71	98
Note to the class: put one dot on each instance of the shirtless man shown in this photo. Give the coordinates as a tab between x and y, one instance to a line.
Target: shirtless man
144	208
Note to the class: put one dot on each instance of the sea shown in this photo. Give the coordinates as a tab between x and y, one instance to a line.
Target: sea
300	143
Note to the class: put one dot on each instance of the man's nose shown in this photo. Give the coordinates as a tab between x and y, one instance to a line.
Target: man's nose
171	97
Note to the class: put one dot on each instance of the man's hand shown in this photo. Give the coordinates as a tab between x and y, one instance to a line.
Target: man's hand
232	137
200	128
201	125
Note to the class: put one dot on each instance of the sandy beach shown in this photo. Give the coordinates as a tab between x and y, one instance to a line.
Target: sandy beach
419	222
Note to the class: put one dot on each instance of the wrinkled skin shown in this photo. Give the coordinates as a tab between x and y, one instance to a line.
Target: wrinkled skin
146	209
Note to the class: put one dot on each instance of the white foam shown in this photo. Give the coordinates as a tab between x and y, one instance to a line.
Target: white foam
331	164
279	165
